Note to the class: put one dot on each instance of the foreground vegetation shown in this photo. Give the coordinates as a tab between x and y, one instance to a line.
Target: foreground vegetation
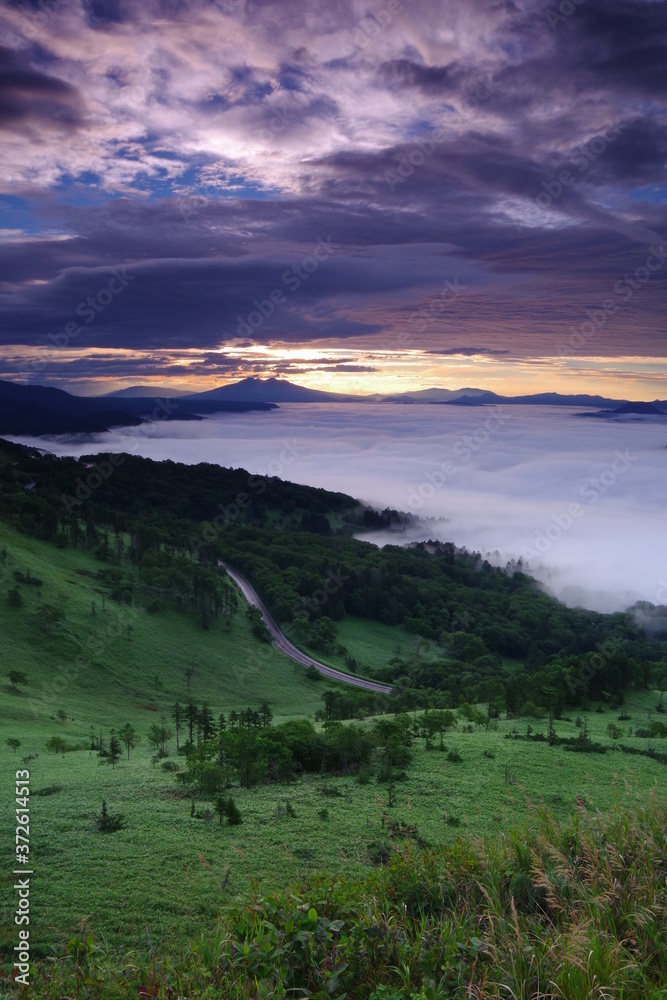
169	874
183	771
571	911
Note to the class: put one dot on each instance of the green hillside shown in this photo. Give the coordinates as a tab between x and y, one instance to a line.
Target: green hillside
509	710
123	663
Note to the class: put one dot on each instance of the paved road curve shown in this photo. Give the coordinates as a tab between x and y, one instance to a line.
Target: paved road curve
285	646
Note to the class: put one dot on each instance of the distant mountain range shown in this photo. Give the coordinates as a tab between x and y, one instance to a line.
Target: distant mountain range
274	390
145	392
34	410
629	409
534	399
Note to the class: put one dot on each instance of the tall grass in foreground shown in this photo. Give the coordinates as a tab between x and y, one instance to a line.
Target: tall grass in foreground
573	911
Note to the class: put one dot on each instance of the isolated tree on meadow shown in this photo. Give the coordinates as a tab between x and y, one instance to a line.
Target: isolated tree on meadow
129	737
115	750
178	716
158	736
17	677
109	822
233	813
56	744
49	617
12	742
155	736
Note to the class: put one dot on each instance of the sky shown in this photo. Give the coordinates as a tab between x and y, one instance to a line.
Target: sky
356	198
580	500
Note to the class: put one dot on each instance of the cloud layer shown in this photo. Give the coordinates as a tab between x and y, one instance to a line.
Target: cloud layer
207	145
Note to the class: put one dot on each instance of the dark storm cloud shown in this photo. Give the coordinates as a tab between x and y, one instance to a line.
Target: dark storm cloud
100	13
623	43
639	154
31	97
427	79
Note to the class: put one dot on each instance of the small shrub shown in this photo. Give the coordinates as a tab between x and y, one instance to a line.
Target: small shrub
170	765
233	813
532	710
289	809
455	757
323	814
304	853
378	853
330	792
109	822
489	754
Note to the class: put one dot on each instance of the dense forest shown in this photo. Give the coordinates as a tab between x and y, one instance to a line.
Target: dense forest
159	530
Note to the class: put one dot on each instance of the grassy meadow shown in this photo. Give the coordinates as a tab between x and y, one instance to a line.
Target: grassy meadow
167	876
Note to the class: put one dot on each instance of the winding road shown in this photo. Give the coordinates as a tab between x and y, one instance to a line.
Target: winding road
282	643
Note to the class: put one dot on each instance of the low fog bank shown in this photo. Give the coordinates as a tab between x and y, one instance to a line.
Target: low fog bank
581	502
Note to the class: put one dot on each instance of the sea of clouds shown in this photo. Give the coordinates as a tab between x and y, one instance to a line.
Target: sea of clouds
580	500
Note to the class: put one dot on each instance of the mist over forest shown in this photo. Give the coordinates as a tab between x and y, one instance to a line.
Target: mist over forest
580	502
